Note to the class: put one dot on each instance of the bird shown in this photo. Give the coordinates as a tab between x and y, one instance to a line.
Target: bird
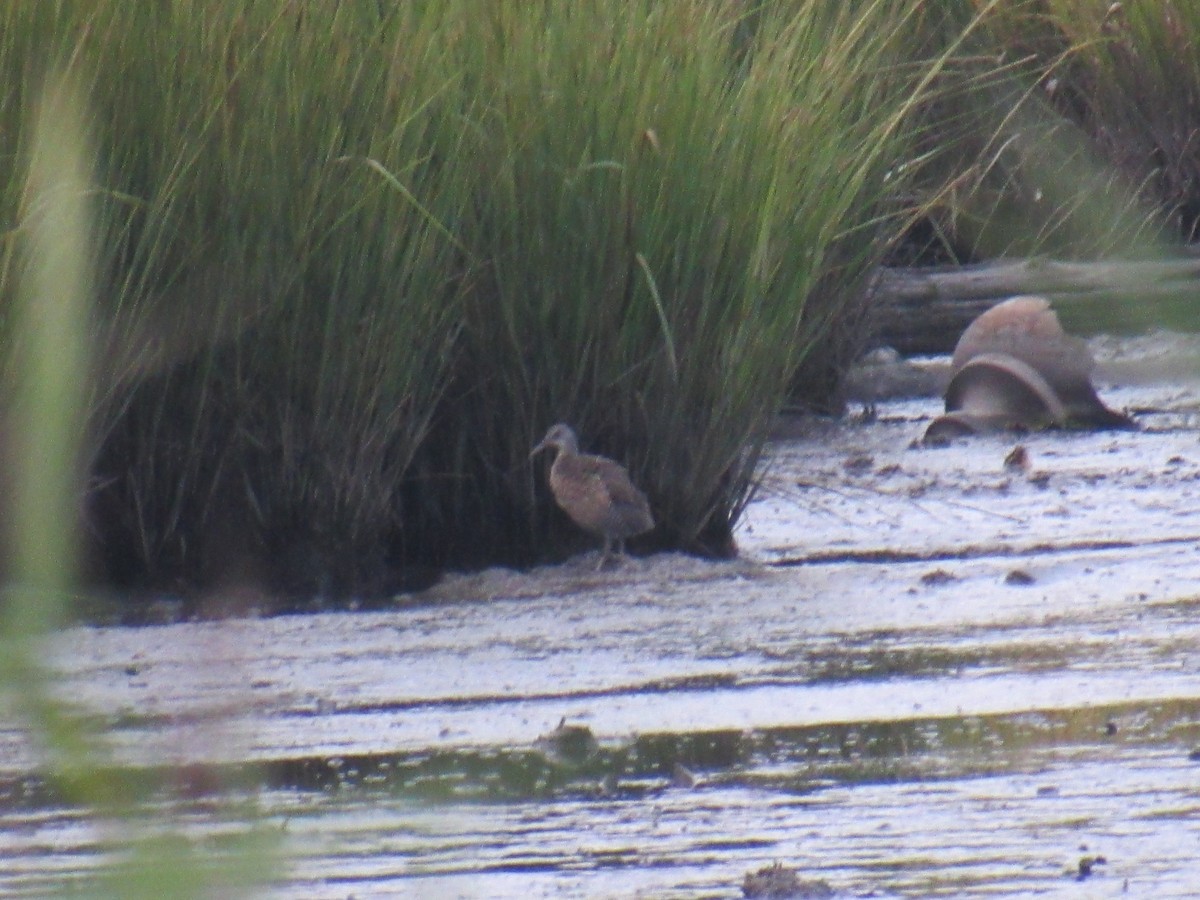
596	492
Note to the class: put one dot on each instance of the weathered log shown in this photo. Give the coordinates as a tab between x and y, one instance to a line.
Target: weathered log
925	310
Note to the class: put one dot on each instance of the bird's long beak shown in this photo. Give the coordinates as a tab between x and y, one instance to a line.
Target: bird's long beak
538	449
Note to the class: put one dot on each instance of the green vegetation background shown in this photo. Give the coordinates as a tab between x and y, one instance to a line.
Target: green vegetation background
352	259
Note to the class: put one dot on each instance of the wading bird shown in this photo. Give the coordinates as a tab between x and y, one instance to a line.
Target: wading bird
595	492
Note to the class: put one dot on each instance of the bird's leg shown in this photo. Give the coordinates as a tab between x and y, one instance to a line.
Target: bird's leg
604	553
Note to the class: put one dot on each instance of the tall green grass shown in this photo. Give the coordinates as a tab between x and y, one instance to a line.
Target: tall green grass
354	259
1132	82
280	300
1068	131
660	189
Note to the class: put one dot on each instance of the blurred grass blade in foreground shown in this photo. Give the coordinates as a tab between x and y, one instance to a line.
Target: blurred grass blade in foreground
45	398
43	421
41	425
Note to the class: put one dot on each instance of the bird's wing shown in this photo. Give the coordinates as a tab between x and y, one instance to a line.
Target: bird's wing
614	481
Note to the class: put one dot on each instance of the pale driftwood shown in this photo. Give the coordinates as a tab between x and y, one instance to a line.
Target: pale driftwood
925	310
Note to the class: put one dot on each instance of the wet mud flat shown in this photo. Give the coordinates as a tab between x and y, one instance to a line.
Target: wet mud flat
930	673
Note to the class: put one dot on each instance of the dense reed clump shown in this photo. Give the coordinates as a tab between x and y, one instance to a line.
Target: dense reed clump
1130	79
278	312
355	259
664	184
329	180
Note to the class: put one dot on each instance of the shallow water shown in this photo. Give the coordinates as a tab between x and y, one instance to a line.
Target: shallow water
928	675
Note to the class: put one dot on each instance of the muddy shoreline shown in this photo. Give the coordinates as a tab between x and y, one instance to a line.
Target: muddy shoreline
929	673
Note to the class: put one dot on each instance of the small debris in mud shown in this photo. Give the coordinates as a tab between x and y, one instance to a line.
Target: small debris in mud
1040	480
683	777
884	374
568	745
859	464
1110	728
780	881
849	746
1019	577
163	611
938	577
193	781
1194	756
1017	459
1047	790
608	786
1086	864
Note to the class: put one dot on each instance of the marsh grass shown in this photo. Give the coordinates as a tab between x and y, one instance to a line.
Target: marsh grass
280	286
664	184
1067	130
354	260
1132	82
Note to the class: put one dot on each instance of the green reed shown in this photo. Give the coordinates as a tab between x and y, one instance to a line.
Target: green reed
354	259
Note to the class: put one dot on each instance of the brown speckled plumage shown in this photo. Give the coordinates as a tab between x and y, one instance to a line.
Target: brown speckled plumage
595	492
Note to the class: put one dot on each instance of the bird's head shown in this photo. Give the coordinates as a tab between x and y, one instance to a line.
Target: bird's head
561	437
